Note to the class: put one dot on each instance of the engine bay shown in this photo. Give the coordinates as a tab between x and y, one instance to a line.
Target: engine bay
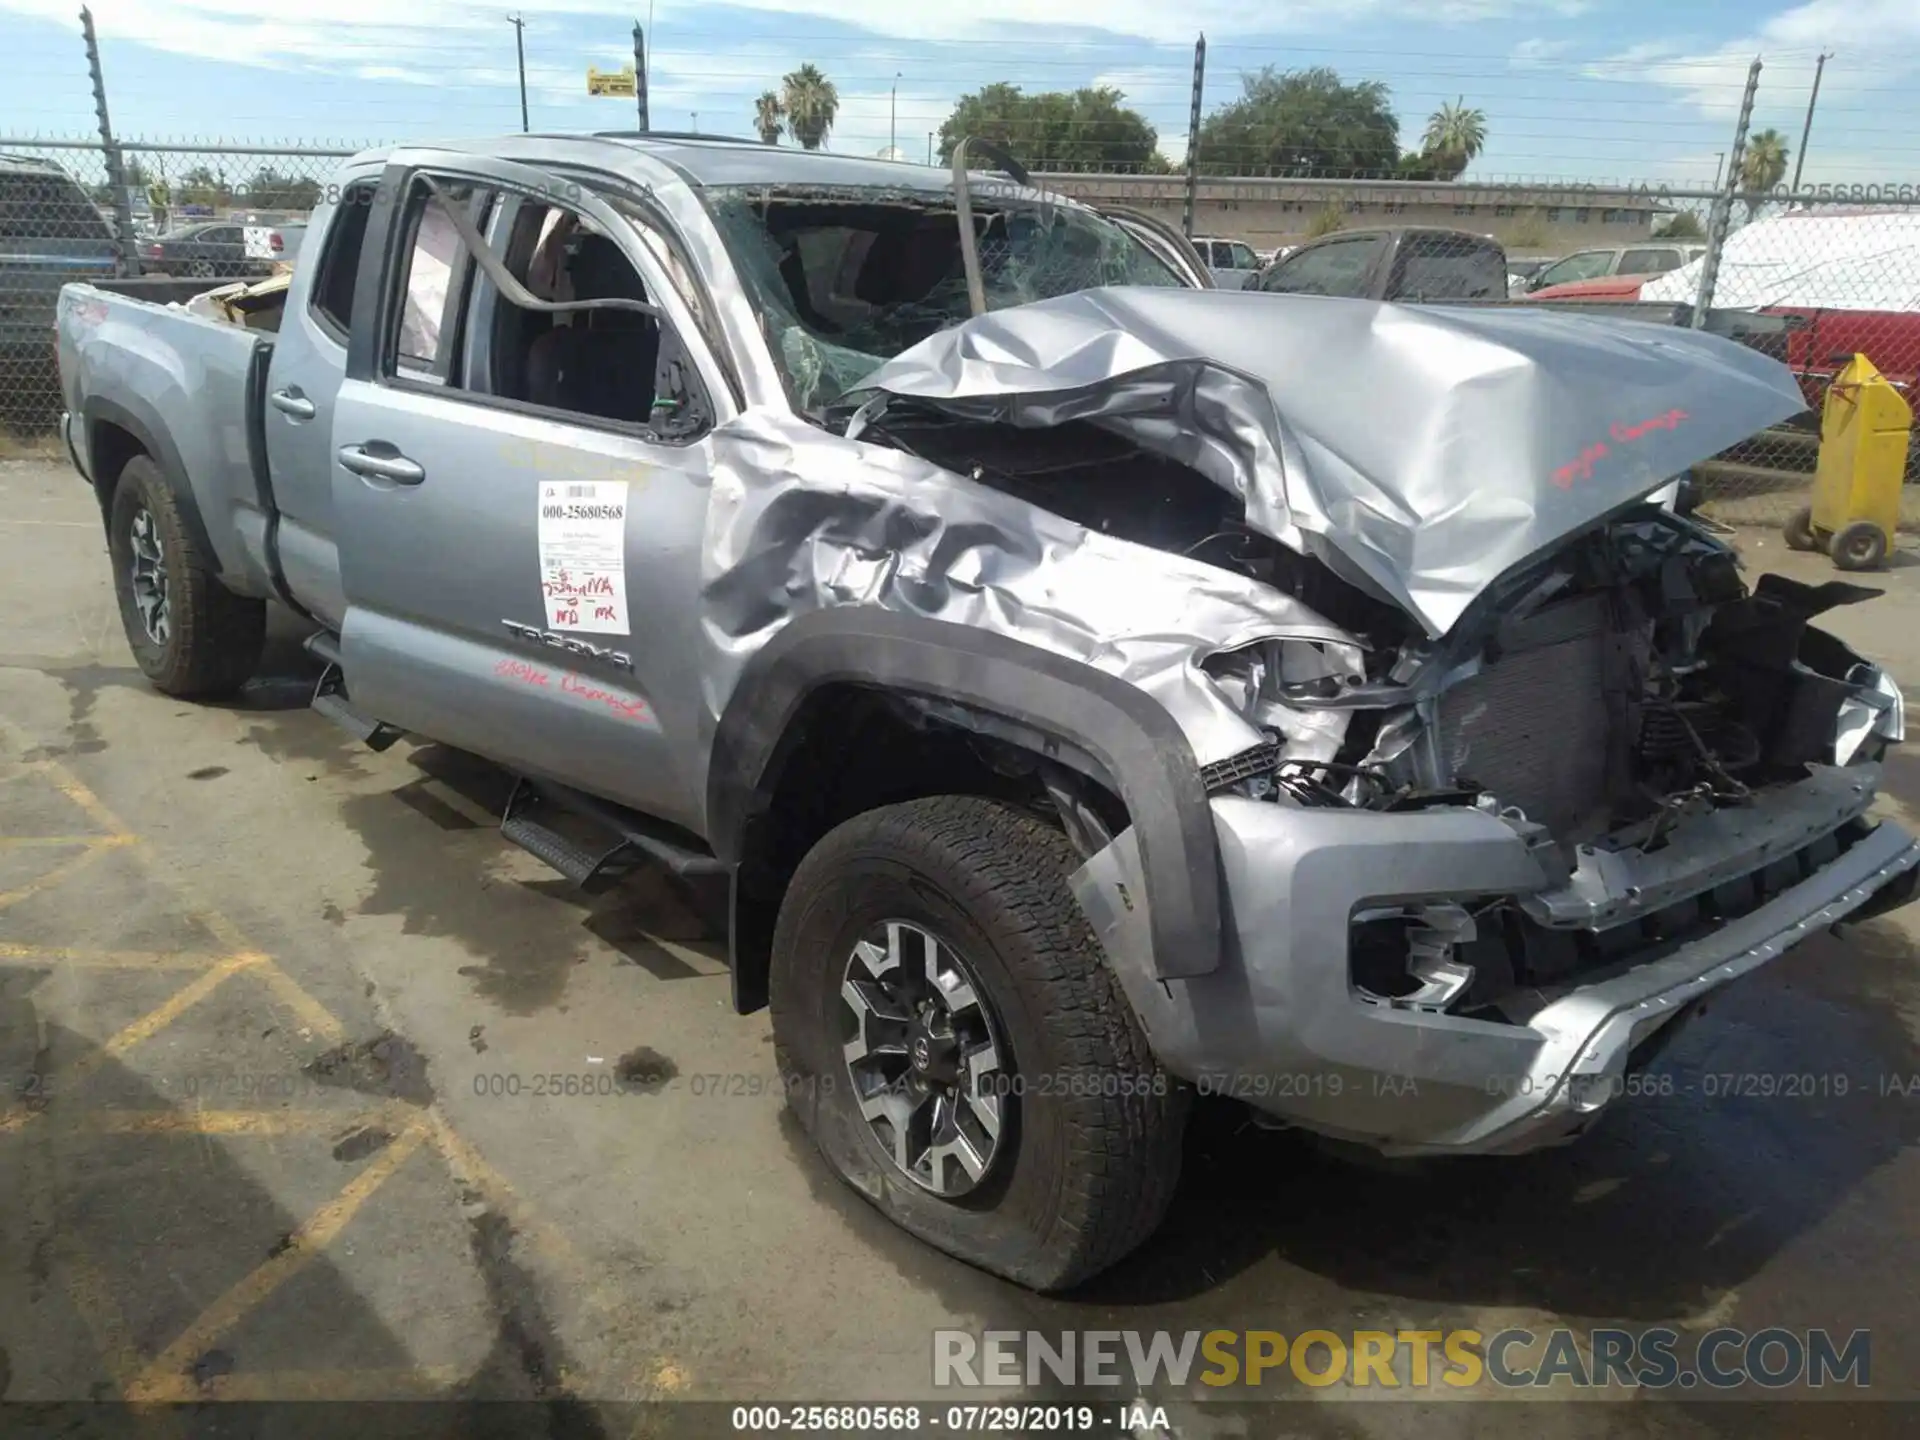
1609	688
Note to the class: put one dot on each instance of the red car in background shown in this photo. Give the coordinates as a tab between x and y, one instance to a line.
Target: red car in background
1848	282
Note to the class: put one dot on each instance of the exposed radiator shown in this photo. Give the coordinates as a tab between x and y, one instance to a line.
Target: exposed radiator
1532	728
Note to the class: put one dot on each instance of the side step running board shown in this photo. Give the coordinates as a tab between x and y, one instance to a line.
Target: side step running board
330	696
632	839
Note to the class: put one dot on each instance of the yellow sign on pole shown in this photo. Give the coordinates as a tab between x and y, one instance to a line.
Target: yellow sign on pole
614	82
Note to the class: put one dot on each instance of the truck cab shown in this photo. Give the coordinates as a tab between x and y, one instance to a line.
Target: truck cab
1410	264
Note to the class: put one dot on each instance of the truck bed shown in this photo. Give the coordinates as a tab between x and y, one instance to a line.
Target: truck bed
191	390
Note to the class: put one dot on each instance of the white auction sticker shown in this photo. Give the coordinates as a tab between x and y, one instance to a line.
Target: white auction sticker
583	554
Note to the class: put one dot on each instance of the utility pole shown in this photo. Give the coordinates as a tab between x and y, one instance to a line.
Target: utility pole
929	147
640	73
893	114
520	54
1807	129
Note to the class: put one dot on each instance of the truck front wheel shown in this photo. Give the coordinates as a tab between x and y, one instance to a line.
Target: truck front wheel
950	1036
190	635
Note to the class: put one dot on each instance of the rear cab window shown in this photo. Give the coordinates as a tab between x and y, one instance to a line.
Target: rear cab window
1448	267
330	301
1332	267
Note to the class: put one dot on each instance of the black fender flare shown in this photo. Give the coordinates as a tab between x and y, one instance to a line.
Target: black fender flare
1145	755
151	432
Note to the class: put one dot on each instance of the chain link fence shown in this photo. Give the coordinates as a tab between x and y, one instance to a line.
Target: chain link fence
1838	280
1834	273
182	212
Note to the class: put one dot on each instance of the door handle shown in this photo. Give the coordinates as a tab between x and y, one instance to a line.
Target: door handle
291	402
394	467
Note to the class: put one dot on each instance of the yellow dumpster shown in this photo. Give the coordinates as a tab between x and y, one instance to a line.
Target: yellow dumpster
1864	426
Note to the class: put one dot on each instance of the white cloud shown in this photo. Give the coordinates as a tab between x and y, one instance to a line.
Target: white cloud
256	32
1528	54
1872	42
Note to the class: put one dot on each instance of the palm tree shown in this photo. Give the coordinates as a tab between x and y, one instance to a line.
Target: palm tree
811	103
1762	167
1455	134
769	117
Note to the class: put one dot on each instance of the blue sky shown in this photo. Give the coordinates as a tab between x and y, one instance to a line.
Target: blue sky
1577	89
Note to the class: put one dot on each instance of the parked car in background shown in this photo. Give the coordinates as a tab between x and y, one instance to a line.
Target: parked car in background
214	250
50	232
1607	287
1522	269
1233	262
1652	258
274	244
1396	263
1851	278
1847	283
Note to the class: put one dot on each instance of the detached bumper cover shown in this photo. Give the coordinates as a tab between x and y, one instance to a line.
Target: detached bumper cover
1280	1027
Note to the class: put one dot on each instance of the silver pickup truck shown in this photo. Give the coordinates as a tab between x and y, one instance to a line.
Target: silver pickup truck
1096	688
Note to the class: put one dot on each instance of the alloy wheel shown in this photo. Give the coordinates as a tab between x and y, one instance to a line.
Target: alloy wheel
925	1057
150	577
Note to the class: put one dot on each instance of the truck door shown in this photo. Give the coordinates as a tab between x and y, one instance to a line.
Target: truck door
521	493
303	379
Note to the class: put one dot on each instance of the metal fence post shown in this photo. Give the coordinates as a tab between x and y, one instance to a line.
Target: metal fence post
1193	135
1722	214
116	168
640	76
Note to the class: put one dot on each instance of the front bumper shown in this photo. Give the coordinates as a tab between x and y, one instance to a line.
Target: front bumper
1280	1026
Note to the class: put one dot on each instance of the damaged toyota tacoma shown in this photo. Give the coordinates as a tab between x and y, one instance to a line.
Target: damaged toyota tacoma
1091	687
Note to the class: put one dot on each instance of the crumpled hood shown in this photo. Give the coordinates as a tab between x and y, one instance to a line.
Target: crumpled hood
1425	450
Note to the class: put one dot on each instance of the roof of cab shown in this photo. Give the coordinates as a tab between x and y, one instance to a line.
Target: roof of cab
711	160
724	160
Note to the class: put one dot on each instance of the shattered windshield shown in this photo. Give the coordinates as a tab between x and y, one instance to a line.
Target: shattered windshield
847	278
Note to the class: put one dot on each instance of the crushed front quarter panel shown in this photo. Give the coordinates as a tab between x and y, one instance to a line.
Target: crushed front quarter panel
801	519
1423	451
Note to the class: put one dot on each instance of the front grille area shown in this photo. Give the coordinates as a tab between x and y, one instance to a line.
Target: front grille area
1532	727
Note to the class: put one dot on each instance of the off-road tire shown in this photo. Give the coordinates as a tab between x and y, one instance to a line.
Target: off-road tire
215	636
1096	1124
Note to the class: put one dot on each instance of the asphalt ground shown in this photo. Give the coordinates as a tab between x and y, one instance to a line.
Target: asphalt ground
306	1096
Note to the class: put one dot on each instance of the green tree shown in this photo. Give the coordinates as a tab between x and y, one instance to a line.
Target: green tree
1085	129
1683	225
769	118
1762	166
811	103
1455	134
1303	122
200	186
1421	166
271	190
